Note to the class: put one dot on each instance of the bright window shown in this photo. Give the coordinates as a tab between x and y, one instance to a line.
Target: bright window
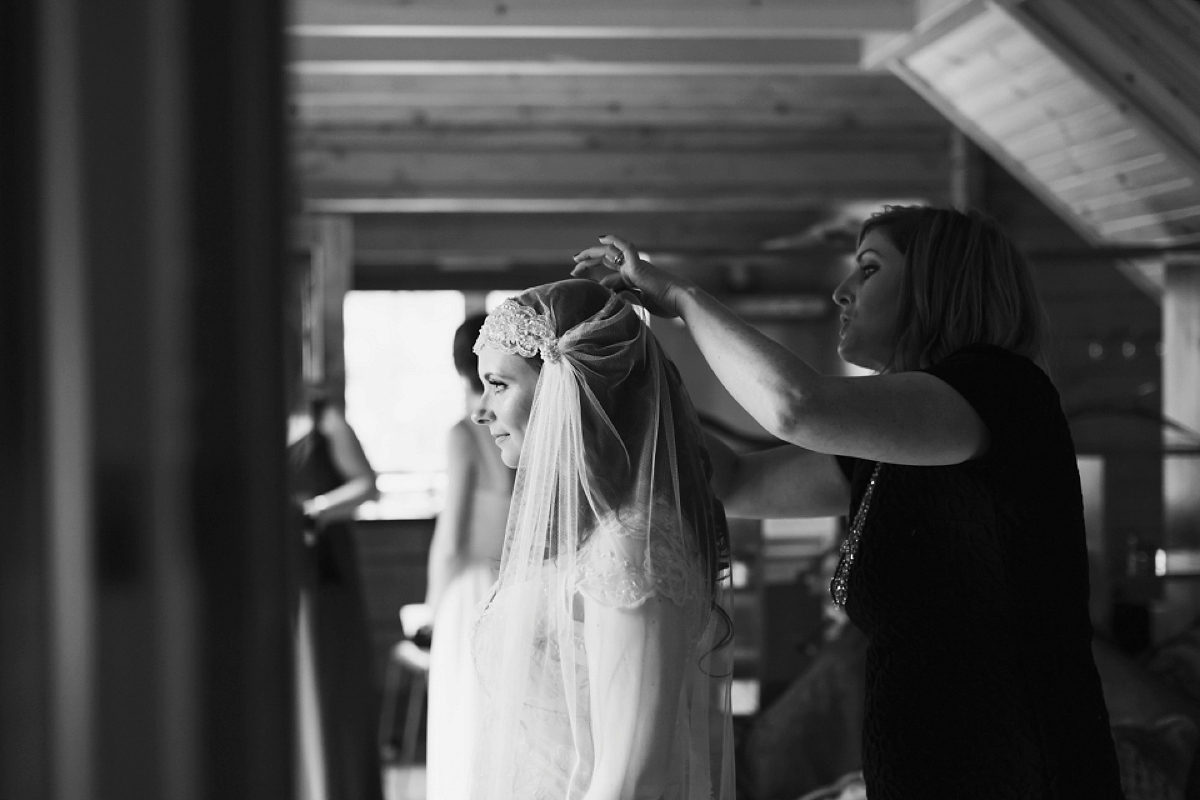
403	394
497	297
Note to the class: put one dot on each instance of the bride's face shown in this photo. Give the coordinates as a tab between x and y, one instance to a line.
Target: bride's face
508	384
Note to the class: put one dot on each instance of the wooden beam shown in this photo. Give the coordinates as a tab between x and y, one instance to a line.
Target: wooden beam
572	205
835	174
617	18
499	243
467	68
499	138
332	268
843	102
842	91
750	111
562	235
397	55
1181	403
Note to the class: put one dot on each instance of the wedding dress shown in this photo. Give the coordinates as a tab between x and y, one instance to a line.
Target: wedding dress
454	693
602	650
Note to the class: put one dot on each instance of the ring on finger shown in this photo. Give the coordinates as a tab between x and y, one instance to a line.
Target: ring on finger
619	259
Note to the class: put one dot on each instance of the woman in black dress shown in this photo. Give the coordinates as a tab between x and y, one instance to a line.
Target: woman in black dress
330	478
965	564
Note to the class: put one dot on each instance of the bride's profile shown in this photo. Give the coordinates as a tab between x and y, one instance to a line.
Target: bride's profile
602	648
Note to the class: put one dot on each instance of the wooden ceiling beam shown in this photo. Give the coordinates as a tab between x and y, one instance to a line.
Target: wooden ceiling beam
593	205
568	90
781	115
587	138
833	173
396	55
570	68
844	102
566	233
617	19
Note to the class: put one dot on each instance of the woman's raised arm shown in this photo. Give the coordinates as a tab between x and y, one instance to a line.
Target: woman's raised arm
904	418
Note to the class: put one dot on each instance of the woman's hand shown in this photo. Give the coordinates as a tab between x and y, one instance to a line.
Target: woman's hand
314	509
621	269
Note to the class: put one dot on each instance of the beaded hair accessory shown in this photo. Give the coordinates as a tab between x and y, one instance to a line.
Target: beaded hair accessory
519	330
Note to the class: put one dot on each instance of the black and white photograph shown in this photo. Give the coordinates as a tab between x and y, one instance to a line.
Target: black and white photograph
600	400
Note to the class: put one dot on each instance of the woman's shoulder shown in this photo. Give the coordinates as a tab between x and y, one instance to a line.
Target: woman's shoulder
331	420
989	356
638	520
1013	396
993	369
299	426
623	565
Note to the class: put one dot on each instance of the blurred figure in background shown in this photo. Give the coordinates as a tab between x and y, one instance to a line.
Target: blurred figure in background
463	561
330	478
810	736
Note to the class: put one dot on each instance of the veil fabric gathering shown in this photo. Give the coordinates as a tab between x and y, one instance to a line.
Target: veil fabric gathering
601	648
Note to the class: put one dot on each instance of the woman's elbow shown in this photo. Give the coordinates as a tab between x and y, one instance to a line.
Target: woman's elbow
365	488
788	419
803	415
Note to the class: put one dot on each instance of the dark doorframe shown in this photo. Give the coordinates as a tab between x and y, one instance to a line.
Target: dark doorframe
147	570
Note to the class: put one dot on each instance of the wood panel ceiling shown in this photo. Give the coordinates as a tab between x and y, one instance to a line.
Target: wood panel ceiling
498	138
1090	103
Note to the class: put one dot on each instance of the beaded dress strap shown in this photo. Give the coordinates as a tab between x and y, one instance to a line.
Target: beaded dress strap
849	548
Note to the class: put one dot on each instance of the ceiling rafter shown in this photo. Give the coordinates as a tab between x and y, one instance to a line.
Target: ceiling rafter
616	19
756	117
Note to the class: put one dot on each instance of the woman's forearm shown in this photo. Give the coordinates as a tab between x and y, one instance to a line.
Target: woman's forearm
765	378
339	503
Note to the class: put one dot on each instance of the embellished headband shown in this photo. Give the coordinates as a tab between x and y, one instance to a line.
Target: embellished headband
519	330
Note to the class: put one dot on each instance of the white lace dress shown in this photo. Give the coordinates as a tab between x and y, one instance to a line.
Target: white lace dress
640	709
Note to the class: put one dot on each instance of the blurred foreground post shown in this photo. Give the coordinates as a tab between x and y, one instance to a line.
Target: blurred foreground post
144	579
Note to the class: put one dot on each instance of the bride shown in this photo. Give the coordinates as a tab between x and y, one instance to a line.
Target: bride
602	649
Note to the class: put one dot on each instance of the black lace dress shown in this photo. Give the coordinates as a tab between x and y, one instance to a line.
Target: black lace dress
971	583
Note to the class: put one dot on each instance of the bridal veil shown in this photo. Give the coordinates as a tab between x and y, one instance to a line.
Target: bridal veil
602	650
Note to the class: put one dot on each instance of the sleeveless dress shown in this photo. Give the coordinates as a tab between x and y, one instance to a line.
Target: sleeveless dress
454	692
340	634
971	584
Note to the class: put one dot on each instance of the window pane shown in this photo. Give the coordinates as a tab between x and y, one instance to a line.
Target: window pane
498	296
402	393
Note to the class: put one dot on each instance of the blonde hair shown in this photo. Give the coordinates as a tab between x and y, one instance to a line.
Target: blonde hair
965	282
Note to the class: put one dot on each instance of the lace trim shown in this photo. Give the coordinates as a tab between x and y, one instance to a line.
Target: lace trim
623	568
517	329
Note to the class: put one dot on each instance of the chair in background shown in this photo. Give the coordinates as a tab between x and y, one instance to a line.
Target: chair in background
407	657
